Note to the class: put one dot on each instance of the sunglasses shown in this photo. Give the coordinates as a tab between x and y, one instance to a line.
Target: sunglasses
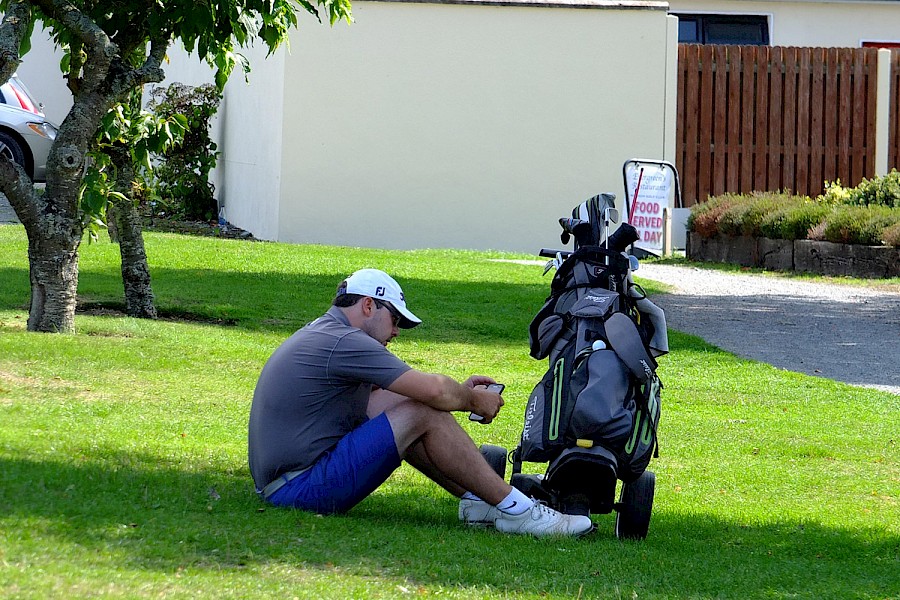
395	316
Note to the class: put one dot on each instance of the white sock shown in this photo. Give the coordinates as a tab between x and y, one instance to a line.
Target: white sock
470	496
515	503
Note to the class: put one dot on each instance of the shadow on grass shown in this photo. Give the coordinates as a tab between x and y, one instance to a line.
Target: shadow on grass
452	311
148	517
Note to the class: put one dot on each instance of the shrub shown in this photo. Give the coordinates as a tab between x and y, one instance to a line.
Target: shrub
780	215
731	220
859	224
704	217
835	194
755	214
817	231
879	191
794	220
763	206
182	178
891	235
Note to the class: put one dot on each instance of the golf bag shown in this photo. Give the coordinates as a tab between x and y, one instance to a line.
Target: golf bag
600	397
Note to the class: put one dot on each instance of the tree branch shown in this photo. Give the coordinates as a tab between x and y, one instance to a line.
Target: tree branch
100	48
16	25
149	72
73	76
18	189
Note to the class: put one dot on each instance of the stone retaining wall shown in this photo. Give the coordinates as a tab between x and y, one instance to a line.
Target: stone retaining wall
805	256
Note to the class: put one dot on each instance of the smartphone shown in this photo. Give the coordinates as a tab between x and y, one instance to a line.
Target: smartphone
493	387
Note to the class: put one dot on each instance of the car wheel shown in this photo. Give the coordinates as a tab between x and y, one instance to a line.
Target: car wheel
496	457
635	507
10	149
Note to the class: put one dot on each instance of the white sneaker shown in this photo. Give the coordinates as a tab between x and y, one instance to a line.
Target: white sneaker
477	512
541	520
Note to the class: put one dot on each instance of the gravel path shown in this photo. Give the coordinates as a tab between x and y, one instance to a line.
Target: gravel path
848	334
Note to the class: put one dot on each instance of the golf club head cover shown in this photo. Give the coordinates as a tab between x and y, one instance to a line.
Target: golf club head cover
580	229
623	237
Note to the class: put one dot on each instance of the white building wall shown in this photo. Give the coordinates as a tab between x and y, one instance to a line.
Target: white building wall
428	124
252	144
466	126
832	23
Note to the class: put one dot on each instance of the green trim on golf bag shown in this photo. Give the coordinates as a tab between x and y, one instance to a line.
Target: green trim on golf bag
559	372
549	411
642	444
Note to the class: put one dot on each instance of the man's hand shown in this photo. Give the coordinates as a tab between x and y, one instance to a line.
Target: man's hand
474	380
485	403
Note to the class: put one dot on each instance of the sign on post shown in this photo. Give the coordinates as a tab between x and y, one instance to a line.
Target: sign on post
648	186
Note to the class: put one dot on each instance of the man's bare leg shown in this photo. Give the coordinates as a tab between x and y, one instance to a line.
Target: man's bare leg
382	400
434	443
417	457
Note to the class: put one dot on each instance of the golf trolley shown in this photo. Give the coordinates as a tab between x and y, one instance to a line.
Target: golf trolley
593	416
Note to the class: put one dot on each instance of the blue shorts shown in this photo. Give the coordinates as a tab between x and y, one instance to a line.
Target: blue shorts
346	474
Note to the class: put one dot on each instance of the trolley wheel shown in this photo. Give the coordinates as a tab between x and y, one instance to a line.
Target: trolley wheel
635	507
496	457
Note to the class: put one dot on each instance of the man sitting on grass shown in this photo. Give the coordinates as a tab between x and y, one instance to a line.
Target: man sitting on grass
334	413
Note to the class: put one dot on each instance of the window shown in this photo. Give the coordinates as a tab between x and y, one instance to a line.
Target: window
873	44
723	29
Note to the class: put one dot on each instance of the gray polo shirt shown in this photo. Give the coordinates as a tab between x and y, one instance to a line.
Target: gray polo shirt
313	390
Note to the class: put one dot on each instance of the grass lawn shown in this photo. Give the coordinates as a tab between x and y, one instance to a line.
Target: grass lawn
123	449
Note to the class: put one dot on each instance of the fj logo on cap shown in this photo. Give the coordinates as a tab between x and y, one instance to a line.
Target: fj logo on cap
379	291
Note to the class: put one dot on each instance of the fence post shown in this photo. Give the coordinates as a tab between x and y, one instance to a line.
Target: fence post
670	119
670	148
883	112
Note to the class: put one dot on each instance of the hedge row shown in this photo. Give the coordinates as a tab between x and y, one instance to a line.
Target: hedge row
868	214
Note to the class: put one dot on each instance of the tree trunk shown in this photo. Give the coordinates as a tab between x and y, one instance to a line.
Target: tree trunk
53	261
53	240
55	220
135	270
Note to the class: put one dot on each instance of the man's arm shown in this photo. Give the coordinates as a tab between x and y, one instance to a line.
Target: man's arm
443	393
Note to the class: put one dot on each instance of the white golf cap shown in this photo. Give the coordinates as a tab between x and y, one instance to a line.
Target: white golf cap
380	286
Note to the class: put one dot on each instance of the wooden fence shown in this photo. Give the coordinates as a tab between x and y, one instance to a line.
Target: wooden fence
771	118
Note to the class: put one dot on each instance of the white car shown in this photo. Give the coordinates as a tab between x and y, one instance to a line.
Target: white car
25	133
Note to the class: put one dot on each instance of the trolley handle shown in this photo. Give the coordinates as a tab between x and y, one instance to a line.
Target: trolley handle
548	253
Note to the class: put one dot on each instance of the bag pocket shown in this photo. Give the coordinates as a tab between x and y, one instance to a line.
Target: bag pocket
547	334
600	413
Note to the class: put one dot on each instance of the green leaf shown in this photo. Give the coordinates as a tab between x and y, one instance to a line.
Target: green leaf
25	43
